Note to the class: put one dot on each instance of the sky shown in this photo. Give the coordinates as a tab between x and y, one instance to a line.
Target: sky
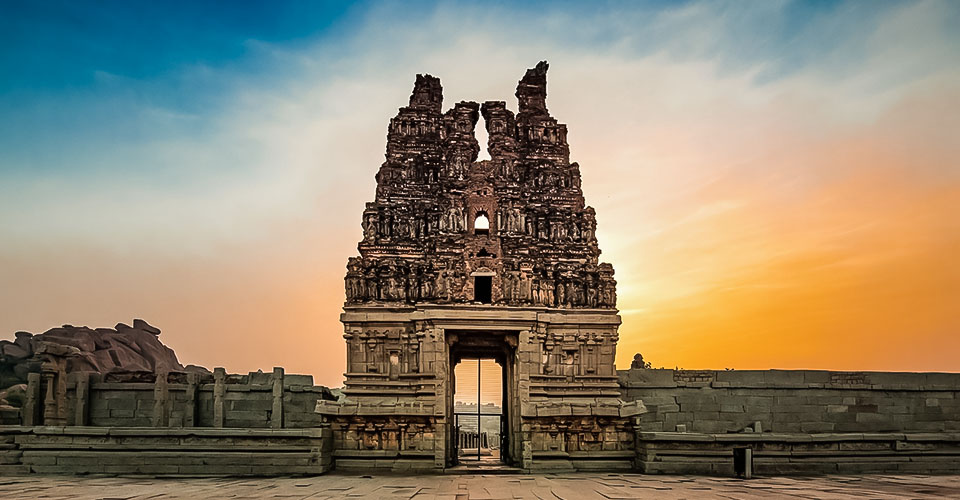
490	374
777	184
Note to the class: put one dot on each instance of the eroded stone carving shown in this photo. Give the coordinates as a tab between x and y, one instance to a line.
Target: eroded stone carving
497	259
430	189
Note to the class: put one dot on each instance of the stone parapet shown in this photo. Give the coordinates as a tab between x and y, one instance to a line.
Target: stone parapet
794	401
175	399
800	453
789	379
159	452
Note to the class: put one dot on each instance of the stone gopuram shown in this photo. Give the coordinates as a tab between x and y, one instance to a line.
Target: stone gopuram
494	259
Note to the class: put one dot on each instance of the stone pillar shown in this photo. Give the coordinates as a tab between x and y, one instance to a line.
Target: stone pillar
219	390
61	381
276	416
190	406
443	400
49	404
161	396
526	362
31	405
83	398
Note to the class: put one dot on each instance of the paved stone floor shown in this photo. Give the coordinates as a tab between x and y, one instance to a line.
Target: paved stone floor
475	487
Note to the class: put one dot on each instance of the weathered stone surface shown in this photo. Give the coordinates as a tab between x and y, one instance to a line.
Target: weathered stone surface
101	350
496	259
795	401
798	453
139	324
72	450
14	395
421	242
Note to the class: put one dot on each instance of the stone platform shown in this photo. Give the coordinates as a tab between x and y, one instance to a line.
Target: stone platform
468	487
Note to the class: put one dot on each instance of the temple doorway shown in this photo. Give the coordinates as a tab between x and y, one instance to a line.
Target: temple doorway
482	419
478	410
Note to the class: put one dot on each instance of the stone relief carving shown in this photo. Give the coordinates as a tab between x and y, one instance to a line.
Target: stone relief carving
416	247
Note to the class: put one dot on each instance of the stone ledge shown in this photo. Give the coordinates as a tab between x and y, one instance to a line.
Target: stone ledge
348	408
162	431
581	408
748	437
790	379
169	451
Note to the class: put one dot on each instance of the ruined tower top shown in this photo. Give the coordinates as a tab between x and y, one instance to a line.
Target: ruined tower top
532	90
427	93
445	228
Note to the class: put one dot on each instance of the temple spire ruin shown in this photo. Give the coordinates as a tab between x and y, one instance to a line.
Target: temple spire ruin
494	259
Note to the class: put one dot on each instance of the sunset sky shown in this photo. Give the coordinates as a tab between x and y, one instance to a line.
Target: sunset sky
777	184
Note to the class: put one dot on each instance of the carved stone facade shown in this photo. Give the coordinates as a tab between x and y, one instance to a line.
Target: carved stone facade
493	259
420	243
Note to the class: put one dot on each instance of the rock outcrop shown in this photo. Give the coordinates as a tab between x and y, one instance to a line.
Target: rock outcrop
123	348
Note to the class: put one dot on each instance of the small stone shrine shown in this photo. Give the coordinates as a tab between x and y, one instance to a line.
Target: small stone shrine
493	259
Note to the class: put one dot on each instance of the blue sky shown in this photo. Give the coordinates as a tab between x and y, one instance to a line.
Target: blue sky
86	75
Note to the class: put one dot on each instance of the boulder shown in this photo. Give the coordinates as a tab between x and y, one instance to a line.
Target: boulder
139	324
14	395
102	350
22	368
81	338
14	351
197	369
23	339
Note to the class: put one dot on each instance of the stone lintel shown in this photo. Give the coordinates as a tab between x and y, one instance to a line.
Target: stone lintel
480	316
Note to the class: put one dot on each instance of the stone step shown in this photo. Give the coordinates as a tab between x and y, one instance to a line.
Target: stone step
14	470
482	469
180	448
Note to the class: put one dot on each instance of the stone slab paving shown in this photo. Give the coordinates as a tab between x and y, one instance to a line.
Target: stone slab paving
484	487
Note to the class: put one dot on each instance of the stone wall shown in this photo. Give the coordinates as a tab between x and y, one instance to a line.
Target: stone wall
798	453
176	400
561	405
794	401
172	423
180	452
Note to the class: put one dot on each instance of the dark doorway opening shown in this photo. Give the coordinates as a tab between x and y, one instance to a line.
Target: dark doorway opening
482	289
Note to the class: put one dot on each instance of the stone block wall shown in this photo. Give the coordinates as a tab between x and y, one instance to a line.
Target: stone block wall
797	453
796	421
180	452
117	404
794	401
173	423
175	400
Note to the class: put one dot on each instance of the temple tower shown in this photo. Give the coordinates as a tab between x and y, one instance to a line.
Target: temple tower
495	259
